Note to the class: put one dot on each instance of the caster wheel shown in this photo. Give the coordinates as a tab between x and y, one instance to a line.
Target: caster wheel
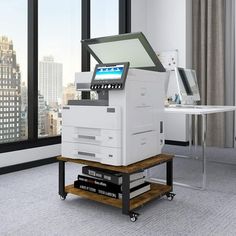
170	196
63	197
134	217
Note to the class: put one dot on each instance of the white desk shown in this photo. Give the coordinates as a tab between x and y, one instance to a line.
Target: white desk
199	110
202	111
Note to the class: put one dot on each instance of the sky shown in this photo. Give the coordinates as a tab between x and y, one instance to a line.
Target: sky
13	24
59	30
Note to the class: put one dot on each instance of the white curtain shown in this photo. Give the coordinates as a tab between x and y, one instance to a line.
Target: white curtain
229	70
209	62
214	27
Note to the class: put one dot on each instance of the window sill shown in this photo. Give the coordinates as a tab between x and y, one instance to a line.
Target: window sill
25	144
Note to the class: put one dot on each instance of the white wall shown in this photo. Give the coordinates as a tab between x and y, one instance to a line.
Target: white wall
139	16
188	19
27	155
166	24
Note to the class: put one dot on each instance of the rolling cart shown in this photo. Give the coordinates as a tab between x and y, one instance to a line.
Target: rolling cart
126	204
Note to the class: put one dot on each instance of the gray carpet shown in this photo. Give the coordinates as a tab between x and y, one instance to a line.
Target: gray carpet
30	205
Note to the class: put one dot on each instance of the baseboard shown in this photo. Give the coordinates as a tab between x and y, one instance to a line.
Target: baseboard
177	143
27	165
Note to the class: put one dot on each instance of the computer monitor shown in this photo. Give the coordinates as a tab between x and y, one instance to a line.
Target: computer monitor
187	85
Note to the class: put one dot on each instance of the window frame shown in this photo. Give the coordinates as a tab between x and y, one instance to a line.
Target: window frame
33	139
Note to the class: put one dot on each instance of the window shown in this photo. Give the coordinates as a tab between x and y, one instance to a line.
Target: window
59	60
107	23
41	40
13	63
104	24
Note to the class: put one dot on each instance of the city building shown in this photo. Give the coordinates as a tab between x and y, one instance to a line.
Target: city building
69	93
10	92
24	96
53	124
23	124
50	81
42	116
24	111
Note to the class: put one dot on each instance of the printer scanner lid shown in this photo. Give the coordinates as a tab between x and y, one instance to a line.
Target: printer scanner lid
131	47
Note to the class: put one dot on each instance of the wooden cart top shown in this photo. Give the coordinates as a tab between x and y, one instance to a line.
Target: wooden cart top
147	163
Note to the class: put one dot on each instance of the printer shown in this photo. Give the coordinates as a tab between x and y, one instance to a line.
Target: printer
125	124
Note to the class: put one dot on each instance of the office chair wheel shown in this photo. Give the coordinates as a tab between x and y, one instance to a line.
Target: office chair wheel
63	197
134	217
170	196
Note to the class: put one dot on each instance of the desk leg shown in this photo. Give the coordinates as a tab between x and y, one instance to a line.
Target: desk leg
203	146
190	132
204	129
62	192
195	132
125	193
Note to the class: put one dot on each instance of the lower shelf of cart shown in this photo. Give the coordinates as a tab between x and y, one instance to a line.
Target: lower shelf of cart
157	190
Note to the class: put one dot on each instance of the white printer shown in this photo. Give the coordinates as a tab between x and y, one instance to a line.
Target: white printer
125	125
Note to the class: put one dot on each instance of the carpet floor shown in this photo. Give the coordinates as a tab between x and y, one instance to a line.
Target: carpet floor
30	205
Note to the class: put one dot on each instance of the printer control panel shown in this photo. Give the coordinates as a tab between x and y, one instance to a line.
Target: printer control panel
109	76
106	86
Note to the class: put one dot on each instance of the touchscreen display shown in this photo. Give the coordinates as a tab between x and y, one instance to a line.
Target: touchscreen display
109	72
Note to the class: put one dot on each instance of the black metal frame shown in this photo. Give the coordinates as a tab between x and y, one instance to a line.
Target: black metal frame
125	185
169	173
33	70
85	34
124	16
33	139
126	193
61	179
